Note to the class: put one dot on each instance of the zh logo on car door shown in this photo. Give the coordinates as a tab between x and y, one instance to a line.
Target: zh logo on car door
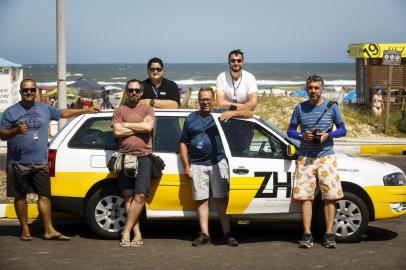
276	185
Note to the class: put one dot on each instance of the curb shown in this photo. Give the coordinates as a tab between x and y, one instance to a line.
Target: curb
370	149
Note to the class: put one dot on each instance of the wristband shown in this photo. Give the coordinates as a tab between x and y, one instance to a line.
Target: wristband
152	102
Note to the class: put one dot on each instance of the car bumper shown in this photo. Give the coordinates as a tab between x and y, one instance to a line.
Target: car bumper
388	201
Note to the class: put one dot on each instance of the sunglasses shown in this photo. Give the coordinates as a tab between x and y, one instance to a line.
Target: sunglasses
155	69
132	90
313	87
28	90
236	60
206	100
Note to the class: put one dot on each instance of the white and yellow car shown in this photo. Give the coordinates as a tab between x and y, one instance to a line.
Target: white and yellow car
261	160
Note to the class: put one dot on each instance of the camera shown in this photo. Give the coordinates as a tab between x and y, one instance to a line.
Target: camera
316	138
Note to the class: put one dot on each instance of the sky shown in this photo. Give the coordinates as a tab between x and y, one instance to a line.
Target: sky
203	31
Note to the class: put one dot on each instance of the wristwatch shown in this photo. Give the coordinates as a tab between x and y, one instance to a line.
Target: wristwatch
152	102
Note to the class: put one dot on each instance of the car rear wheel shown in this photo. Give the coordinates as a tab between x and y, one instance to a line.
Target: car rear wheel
105	212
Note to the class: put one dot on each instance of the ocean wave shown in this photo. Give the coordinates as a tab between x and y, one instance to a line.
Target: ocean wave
74	74
191	82
269	82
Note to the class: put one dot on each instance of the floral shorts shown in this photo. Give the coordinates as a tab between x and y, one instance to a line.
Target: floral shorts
323	169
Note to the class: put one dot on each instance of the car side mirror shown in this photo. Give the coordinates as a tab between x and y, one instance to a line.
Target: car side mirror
291	152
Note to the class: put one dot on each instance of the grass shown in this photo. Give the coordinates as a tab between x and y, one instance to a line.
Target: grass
358	119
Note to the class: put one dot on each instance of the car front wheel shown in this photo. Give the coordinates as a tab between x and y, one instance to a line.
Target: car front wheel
351	218
105	212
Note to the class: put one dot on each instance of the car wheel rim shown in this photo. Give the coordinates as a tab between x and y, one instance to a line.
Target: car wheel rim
348	218
110	213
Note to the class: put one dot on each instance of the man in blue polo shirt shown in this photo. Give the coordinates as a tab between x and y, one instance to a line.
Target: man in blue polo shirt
204	161
25	128
317	161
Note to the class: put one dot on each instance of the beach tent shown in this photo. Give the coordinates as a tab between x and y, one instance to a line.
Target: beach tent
299	93
87	88
351	97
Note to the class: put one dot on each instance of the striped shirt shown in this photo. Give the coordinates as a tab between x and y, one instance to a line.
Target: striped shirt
305	115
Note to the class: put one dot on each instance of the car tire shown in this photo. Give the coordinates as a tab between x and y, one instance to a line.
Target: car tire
351	220
105	212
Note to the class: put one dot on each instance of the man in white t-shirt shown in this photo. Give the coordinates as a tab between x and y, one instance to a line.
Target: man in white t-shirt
236	89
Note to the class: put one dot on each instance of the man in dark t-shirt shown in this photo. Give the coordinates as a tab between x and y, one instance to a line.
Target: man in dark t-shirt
158	91
204	162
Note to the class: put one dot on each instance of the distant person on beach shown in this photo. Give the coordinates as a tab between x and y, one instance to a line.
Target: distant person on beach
317	162
24	126
236	88
158	91
377	104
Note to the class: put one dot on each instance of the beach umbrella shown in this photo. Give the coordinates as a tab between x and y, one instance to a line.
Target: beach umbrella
351	97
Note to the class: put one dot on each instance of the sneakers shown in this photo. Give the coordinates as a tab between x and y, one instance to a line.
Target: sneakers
329	241
230	240
307	241
201	240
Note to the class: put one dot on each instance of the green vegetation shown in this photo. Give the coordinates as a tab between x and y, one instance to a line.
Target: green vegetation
358	118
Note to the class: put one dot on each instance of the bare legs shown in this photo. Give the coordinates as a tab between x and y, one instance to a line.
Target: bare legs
203	214
44	209
134	206
329	214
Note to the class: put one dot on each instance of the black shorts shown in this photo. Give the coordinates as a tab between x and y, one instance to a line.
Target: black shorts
29	179
129	186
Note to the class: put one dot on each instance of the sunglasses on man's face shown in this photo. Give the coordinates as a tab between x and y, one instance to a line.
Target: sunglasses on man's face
29	90
132	90
236	60
155	69
313	87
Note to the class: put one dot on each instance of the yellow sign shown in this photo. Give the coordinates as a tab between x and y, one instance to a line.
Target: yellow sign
375	50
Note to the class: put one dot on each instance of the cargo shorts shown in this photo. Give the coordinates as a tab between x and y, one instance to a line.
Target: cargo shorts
311	170
208	178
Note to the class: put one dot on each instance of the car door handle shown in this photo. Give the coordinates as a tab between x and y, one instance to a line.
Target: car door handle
240	171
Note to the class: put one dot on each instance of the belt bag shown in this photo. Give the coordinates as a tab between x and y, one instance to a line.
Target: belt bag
115	163
130	165
120	162
157	165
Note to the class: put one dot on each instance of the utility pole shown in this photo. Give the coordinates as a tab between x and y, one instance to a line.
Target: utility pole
61	58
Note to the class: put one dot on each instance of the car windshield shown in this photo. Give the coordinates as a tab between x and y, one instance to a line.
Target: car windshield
280	132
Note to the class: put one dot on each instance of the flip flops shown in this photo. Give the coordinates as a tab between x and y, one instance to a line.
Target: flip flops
136	243
59	237
125	243
24	237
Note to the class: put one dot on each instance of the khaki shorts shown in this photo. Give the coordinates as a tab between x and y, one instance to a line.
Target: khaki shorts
323	169
214	177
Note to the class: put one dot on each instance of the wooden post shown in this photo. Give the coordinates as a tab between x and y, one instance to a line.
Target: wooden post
61	59
388	99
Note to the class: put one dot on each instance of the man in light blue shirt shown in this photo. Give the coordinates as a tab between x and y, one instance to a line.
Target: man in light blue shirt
24	126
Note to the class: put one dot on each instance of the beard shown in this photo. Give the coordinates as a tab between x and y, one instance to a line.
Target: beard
236	68
132	100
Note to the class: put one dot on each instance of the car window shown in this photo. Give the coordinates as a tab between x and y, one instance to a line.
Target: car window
167	133
248	139
95	133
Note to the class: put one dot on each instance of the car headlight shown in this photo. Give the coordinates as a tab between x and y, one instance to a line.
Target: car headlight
394	179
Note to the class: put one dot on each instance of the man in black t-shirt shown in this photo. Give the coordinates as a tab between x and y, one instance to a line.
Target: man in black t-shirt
158	91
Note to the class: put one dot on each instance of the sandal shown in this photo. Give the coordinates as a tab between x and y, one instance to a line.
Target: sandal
24	237
136	243
125	243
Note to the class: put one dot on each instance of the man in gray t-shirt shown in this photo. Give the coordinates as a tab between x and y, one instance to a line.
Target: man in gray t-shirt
25	126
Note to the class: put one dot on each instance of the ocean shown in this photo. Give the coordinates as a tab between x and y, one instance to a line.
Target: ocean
336	75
